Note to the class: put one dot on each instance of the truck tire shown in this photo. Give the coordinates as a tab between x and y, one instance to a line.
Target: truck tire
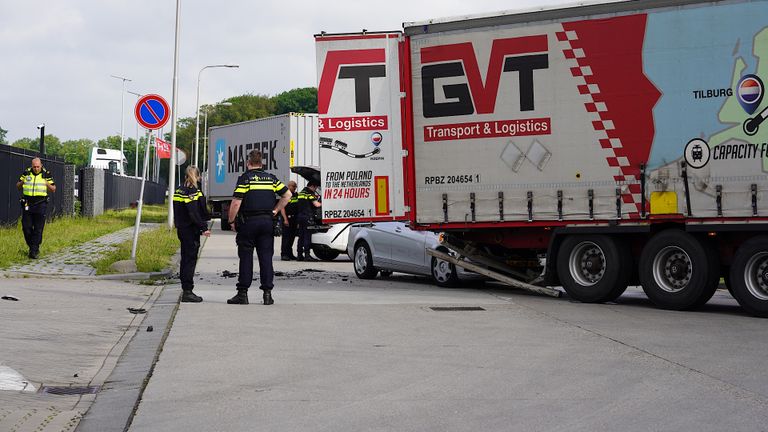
444	273
749	276
678	271
594	268
363	261
325	254
225	226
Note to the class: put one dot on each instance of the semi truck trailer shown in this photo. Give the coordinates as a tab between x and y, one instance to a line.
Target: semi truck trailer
594	146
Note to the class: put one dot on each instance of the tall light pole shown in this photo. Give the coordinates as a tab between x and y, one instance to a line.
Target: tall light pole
136	166
122	106
172	160
197	122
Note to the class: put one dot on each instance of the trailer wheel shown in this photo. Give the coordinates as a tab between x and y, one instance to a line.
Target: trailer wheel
678	271
749	276
594	268
363	262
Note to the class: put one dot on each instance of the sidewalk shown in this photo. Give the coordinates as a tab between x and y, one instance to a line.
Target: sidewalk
64	334
75	261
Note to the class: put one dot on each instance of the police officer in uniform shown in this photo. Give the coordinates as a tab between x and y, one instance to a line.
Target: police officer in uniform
251	213
307	202
288	215
34	183
191	221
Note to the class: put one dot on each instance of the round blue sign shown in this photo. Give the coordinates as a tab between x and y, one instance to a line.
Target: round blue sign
152	111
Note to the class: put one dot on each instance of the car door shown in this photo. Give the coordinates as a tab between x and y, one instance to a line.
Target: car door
408	249
379	238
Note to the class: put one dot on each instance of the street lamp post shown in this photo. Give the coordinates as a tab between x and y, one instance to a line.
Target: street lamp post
122	106
136	159
197	122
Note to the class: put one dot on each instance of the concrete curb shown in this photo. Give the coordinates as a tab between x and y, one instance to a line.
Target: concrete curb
116	403
173	267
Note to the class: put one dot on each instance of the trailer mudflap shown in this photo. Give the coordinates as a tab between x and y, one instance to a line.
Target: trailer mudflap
494	274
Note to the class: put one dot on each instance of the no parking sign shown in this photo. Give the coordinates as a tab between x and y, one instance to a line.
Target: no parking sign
152	111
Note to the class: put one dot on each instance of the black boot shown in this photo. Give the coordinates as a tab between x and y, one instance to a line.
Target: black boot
268	300
189	297
240	298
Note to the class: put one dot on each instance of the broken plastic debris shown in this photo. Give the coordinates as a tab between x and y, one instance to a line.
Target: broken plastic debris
136	310
11	298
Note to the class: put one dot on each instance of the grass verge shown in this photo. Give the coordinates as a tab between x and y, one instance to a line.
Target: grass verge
65	232
153	252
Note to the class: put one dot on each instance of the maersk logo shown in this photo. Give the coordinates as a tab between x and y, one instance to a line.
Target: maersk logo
220	168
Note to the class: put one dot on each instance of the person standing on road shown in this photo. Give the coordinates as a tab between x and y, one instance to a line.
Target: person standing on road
288	215
191	221
251	213
34	184
307	202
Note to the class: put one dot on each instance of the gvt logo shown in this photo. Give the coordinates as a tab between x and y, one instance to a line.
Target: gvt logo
368	63
507	55
220	167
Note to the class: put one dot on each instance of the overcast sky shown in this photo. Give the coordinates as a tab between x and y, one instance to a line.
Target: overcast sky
56	56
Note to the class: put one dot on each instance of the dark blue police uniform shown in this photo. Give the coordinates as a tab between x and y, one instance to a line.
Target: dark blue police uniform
191	217
289	232
35	204
256	188
305	214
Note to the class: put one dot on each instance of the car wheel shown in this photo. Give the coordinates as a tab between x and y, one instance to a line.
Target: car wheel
749	276
678	271
363	262
325	254
594	268
444	273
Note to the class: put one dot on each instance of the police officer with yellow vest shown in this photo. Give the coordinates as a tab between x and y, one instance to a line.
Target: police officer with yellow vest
251	214
191	221
34	183
308	201
288	215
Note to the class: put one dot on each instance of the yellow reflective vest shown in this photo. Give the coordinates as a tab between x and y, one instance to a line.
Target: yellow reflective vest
35	185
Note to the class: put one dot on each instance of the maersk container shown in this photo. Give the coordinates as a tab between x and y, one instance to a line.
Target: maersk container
285	141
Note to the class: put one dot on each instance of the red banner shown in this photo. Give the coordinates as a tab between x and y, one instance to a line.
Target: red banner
163	148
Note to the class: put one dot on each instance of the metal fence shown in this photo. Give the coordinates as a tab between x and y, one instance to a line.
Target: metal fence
13	161
120	191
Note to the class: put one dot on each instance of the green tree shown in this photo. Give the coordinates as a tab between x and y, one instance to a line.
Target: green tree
52	145
3	132
300	100
77	152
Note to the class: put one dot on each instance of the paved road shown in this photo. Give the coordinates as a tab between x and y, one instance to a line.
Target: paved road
339	354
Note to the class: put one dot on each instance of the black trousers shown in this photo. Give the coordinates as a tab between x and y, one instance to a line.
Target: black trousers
189	237
256	233
305	237
32	224
289	235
